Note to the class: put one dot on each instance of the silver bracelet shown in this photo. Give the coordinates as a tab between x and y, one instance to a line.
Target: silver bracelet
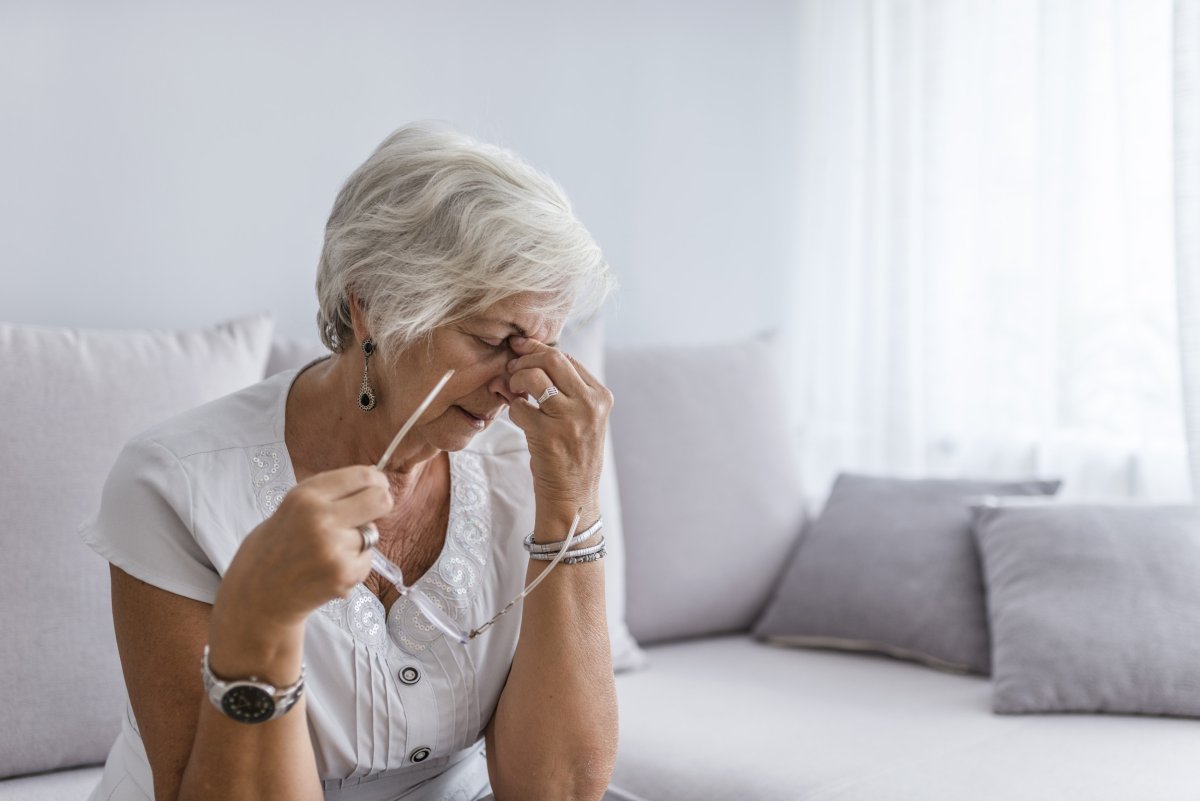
592	557
553	547
549	557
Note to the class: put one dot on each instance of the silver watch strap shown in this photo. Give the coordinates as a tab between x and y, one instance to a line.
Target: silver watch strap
283	698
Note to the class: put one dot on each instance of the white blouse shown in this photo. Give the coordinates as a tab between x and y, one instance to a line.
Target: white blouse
388	719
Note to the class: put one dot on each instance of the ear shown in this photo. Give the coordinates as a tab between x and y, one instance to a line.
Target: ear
358	317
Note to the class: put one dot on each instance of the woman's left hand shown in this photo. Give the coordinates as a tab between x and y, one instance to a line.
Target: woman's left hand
566	435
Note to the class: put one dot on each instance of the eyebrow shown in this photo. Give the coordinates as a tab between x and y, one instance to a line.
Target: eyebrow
517	329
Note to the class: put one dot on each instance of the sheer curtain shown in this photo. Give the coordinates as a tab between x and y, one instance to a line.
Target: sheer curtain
1187	213
987	281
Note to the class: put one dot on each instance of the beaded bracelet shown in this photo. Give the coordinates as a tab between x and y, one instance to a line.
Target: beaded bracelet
553	547
591	557
549	557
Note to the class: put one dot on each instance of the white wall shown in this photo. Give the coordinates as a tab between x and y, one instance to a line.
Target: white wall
171	164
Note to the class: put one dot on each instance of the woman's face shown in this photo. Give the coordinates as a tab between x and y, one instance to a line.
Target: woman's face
477	349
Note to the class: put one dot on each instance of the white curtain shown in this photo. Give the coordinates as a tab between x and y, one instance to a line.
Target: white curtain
1187	213
987	279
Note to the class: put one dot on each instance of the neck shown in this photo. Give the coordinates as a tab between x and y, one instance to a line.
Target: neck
322	415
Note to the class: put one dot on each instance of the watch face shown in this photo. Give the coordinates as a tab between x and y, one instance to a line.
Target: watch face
248	704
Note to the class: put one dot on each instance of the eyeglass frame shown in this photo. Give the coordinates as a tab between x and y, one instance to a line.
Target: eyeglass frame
437	616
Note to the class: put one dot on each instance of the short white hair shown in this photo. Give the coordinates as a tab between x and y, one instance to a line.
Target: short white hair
435	227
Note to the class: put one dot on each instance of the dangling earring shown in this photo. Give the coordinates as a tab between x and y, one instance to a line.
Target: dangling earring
366	394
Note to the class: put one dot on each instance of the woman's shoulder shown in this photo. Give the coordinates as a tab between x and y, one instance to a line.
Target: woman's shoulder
243	418
182	494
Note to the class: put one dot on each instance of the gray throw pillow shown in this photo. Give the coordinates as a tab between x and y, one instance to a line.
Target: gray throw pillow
890	566
1093	608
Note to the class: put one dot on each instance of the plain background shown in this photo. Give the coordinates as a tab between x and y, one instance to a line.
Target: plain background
171	164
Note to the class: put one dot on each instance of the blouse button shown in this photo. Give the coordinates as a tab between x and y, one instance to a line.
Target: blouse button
419	755
409	675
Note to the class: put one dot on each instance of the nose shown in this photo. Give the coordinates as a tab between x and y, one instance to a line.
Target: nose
498	385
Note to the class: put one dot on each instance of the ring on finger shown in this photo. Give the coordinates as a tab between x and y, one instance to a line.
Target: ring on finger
550	392
370	536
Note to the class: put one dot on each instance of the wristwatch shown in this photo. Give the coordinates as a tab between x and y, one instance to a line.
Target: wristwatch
249	700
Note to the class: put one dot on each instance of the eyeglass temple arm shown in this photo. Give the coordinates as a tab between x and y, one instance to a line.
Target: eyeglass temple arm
561	552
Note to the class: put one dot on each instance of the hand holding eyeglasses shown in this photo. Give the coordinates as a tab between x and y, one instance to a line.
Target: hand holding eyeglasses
320	542
304	554
309	550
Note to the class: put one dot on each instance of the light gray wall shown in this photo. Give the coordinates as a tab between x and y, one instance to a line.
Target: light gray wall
171	164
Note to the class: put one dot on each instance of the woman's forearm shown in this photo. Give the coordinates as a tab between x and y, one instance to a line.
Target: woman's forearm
272	761
555	727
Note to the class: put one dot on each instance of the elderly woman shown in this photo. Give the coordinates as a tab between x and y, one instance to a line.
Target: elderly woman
263	657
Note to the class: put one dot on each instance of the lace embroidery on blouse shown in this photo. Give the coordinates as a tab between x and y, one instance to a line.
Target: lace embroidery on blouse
269	487
451	582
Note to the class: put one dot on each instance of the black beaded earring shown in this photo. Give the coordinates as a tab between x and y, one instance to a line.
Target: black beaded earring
366	394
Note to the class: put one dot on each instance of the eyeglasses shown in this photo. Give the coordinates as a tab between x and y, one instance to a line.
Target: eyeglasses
391	571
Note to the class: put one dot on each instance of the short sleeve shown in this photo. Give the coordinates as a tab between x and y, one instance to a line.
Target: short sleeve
144	525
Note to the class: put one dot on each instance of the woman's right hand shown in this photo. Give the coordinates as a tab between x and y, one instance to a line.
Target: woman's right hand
309	551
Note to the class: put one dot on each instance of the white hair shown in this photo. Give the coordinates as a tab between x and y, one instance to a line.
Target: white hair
435	227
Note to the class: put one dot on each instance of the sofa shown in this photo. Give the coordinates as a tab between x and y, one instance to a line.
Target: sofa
708	509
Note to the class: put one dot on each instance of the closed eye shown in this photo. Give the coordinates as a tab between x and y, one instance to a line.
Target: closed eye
495	344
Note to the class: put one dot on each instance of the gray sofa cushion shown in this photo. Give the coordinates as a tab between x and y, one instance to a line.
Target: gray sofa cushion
710	489
890	566
65	785
71	399
1093	608
731	718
